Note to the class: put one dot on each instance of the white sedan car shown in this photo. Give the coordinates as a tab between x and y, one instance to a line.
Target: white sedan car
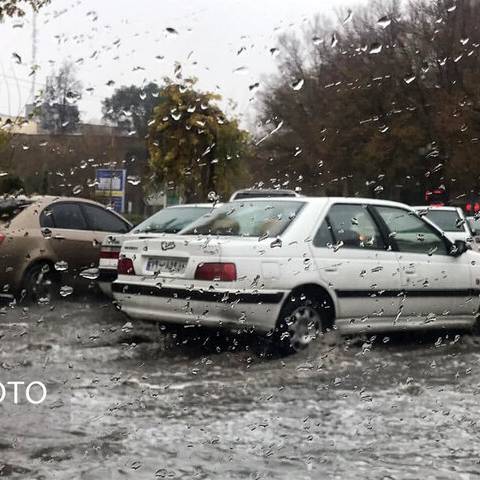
297	266
168	220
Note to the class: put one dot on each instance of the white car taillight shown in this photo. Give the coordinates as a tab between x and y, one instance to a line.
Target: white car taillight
125	266
220	272
110	254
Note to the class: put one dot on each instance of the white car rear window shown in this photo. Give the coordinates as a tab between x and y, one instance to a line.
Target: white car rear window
248	219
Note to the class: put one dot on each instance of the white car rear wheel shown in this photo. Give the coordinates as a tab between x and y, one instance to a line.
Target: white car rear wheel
304	325
301	321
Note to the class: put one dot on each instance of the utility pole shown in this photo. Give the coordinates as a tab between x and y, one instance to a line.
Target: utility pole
34	56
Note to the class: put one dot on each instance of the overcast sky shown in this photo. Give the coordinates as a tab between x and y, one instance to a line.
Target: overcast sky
224	43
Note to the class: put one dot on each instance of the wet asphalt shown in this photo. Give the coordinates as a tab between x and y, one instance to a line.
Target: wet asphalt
126	400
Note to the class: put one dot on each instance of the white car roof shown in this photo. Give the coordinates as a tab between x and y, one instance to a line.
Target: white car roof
434	207
327	200
195	205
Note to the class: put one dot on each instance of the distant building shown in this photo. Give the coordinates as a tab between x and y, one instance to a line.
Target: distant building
31	126
21	125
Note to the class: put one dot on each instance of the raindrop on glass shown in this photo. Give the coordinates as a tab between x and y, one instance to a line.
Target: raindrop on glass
61	266
297	84
77	190
66	290
384	22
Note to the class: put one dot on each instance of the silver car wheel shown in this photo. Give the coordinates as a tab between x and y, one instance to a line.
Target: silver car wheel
304	325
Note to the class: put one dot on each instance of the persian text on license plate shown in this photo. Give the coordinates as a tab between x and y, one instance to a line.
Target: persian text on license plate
166	264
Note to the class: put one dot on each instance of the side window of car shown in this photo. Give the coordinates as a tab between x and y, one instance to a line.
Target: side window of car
410	233
103	221
354	227
323	238
66	215
46	218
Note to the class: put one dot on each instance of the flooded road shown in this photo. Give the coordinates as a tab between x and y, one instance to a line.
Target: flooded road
125	401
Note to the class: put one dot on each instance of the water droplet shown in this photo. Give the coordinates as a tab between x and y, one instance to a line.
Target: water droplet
277	243
77	190
241	70
90	273
212	197
464	41
61	266
254	87
134	180
349	16
127	327
452	8
171	31
375	48
408	79
66	290
334	41
176	116
297	84
274	51
384	22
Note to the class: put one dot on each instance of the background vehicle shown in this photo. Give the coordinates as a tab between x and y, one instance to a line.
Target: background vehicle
474	224
452	221
43	236
370	265
262	193
168	220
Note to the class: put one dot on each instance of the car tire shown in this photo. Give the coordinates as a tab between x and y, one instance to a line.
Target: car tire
301	321
40	283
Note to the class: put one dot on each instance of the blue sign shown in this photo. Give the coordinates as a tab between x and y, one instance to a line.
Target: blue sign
110	187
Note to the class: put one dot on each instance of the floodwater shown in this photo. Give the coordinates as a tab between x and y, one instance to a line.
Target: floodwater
126	401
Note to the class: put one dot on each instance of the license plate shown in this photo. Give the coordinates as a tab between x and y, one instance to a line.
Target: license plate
166	265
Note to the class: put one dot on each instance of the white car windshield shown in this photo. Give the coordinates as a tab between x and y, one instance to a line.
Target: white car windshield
248	219
171	220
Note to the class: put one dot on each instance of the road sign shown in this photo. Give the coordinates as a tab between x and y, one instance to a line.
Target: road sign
110	188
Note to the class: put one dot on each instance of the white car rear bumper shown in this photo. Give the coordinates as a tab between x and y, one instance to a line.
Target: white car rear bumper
219	308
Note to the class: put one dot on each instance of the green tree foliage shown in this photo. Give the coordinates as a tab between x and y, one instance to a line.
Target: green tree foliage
131	108
384	102
193	147
17	8
58	111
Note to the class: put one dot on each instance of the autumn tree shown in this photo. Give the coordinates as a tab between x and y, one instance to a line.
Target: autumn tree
194	148
17	8
131	108
384	102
